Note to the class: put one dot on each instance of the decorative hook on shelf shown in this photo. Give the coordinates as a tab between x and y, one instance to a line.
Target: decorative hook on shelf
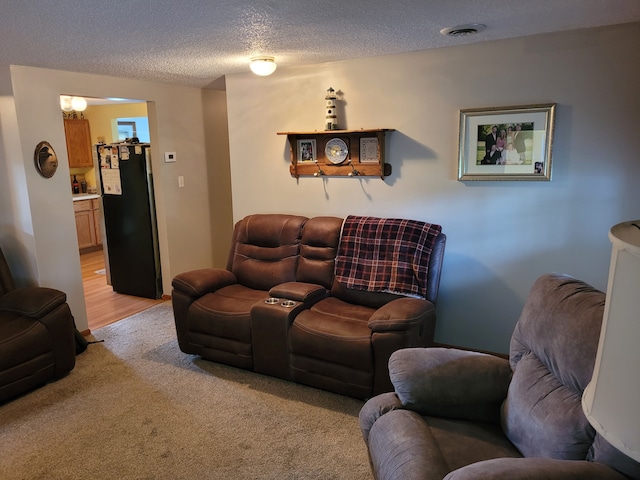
319	172
353	172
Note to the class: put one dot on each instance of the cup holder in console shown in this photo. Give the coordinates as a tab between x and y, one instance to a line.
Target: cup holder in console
288	303
272	301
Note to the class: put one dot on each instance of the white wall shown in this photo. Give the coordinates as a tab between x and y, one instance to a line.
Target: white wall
501	235
217	144
48	239
16	228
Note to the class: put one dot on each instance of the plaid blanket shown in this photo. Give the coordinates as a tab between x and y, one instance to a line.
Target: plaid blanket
385	255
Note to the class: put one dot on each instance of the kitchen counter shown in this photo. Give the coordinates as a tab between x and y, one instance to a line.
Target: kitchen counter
84	196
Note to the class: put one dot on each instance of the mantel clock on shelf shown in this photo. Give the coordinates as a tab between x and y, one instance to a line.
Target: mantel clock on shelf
331	120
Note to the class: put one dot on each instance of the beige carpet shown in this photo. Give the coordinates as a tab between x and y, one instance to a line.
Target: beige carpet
136	407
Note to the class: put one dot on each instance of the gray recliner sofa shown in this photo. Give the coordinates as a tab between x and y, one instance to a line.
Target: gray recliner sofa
466	415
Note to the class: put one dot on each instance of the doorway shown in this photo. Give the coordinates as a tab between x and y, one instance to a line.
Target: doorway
103	118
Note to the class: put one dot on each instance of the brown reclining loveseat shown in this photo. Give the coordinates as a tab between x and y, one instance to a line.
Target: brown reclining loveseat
278	308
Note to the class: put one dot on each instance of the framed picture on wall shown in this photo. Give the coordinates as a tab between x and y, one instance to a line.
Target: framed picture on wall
369	150
506	143
307	150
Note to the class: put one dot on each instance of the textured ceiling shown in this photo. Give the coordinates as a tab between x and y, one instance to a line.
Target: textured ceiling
196	42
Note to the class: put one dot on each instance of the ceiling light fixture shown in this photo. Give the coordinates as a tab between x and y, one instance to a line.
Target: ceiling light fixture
69	103
65	103
79	104
463	30
263	66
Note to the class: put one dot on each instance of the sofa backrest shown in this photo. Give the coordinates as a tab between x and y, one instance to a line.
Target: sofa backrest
268	249
377	299
265	249
552	354
320	240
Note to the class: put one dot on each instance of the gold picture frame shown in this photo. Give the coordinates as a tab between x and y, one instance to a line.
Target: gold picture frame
506	143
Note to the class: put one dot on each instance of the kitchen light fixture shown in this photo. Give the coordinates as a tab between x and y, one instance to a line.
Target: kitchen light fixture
79	104
611	399
263	66
69	103
463	30
65	103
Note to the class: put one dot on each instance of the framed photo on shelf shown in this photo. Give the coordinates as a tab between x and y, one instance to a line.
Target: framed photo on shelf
506	143
307	150
369	150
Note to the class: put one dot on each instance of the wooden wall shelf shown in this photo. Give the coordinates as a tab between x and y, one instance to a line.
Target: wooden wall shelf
365	153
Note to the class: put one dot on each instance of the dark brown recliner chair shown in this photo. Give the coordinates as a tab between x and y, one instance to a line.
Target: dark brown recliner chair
460	415
212	307
37	342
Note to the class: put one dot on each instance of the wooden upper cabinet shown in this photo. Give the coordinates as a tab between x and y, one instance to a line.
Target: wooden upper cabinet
78	142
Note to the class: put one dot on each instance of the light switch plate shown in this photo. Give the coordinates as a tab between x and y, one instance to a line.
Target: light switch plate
169	157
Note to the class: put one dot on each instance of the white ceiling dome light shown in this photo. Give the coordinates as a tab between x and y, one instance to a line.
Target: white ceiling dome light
263	66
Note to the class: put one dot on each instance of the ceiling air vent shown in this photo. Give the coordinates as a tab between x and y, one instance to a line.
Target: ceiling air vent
463	30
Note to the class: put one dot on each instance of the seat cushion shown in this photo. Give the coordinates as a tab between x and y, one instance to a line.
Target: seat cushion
403	444
219	323
330	348
336	331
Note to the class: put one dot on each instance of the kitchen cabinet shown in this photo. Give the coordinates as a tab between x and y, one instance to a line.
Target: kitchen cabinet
78	136
87	213
96	221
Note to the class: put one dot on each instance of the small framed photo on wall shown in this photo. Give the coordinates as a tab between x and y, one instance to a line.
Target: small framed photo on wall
306	150
506	143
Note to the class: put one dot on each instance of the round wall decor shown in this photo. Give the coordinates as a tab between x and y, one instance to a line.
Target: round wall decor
45	159
336	150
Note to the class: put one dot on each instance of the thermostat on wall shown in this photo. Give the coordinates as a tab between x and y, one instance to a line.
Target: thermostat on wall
169	157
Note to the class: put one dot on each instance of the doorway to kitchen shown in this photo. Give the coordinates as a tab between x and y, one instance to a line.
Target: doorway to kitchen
105	121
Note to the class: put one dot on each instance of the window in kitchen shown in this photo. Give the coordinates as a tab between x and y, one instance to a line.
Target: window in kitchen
133	127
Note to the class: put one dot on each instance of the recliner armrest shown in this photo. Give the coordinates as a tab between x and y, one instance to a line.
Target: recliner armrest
307	293
197	283
450	383
400	314
374	408
534	469
33	302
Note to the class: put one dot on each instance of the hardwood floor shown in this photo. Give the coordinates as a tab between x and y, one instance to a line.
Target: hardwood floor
104	306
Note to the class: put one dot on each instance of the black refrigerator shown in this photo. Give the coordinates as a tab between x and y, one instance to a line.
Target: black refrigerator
126	187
